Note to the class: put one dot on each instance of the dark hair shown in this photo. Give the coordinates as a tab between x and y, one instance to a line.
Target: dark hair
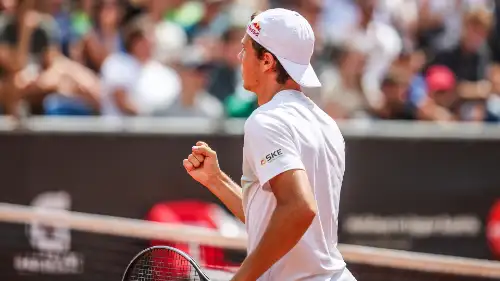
282	75
395	77
133	31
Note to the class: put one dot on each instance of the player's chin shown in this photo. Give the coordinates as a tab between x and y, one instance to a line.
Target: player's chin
247	86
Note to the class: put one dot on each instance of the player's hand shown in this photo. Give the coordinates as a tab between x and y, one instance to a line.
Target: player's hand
202	164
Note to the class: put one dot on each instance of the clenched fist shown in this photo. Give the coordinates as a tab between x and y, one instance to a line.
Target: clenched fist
202	164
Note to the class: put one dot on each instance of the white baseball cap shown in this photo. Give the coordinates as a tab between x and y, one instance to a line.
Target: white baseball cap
290	37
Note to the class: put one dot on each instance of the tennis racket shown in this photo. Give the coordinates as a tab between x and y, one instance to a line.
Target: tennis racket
163	263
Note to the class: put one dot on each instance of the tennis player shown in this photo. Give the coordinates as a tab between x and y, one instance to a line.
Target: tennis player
293	160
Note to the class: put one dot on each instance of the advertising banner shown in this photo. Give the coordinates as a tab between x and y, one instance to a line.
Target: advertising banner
434	195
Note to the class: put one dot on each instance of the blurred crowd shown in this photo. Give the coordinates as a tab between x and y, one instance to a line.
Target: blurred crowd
381	59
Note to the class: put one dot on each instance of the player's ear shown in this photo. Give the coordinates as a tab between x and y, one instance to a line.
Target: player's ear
269	62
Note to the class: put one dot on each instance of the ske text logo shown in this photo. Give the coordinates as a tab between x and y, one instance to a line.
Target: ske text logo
272	156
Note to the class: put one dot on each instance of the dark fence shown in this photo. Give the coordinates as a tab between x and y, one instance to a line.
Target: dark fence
421	188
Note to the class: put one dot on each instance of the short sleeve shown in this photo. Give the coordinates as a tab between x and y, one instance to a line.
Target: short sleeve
271	147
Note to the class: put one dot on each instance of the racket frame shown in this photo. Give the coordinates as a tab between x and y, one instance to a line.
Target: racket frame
184	255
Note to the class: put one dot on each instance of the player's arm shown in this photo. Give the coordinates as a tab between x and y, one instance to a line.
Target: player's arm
284	175
203	166
294	213
229	193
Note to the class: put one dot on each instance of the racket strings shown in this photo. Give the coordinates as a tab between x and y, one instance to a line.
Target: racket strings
163	265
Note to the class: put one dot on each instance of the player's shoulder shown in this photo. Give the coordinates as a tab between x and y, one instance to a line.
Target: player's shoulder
265	118
285	111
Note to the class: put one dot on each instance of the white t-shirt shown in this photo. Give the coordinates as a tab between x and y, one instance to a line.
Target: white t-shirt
291	132
151	87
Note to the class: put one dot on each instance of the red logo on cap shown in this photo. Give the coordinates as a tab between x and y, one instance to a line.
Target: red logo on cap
256	25
254	28
493	229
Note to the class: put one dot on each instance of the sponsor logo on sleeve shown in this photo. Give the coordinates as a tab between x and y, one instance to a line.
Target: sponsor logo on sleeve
271	157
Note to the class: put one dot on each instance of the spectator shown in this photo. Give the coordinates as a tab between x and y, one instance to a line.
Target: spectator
105	37
169	41
360	43
241	104
238	102
403	15
493	102
342	94
494	38
442	91
181	12
381	44
133	82
470	59
470	62
440	22
212	23
60	11
32	65
345	15
397	105
81	17
169	38
195	100
419	94
225	74
7	6
413	61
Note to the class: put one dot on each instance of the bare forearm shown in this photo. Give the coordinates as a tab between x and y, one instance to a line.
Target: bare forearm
286	227
229	193
430	111
479	89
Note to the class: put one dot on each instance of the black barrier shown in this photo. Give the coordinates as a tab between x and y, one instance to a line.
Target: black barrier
431	196
434	195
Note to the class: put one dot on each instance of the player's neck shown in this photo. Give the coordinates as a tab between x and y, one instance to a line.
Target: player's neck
269	90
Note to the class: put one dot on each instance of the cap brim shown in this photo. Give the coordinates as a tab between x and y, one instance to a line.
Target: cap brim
304	75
